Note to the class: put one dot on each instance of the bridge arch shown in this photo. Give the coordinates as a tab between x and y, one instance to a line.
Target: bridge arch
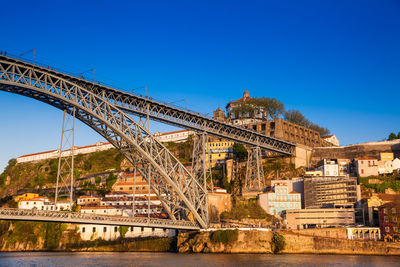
179	192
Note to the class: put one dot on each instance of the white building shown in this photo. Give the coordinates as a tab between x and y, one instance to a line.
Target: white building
396	164
106	232
176	136
43	203
385	167
99	146
329	167
331	139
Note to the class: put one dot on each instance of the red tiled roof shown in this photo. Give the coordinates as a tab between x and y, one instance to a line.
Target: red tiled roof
179	131
129	183
366	157
34	154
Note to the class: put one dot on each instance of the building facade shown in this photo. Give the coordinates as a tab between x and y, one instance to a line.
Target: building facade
366	166
325	191
389	220
319	218
280	199
99	146
328	167
175	136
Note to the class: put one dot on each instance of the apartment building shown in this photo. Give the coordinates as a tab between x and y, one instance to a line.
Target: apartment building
324	191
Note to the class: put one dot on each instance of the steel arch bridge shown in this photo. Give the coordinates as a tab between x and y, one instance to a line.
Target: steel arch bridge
104	109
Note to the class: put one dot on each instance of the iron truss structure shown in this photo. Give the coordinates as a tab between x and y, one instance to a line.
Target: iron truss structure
146	107
85	218
182	196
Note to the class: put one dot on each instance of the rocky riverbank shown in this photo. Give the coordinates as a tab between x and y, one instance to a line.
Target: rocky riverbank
254	241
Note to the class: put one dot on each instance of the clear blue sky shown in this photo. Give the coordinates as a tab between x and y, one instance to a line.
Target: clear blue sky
338	62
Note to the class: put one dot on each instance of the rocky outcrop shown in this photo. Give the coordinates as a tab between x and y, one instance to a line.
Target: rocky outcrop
247	242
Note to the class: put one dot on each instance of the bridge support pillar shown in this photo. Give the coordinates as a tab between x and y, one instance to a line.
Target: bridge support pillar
201	163
65	172
255	180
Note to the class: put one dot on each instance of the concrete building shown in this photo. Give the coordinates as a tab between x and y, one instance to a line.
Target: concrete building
319	218
219	200
344	166
175	136
366	166
329	167
279	199
324	191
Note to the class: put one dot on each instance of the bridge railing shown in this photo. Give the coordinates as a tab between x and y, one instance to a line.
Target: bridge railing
77	216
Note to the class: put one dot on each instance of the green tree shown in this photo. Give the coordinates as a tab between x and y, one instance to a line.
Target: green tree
398	135
270	107
111	179
97	180
239	151
392	136
123	230
278	242
295	116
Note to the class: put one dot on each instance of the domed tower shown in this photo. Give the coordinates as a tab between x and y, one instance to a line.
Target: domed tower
246	95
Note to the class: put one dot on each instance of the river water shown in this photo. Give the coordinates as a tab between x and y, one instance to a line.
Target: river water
99	259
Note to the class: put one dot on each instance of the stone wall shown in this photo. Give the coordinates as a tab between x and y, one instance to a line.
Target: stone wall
254	241
324	245
354	151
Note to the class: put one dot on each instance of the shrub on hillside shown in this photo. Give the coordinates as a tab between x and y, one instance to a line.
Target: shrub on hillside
224	236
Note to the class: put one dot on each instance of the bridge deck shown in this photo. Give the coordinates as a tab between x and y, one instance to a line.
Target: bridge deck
84	218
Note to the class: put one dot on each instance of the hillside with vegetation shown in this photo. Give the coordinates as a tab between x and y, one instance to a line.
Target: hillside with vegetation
43	174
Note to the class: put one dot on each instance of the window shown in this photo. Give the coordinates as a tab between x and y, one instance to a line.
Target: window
394	210
142	229
387	229
94	229
152	229
104	229
83	229
116	229
132	228
386	219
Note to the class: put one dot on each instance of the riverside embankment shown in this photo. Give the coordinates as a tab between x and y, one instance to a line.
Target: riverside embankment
40	236
255	241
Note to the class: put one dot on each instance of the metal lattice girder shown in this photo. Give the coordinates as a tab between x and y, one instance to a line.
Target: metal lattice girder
255	180
87	218
201	163
180	194
158	111
65	171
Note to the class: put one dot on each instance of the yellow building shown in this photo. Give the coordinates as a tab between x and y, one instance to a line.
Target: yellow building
219	151
386	156
26	196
